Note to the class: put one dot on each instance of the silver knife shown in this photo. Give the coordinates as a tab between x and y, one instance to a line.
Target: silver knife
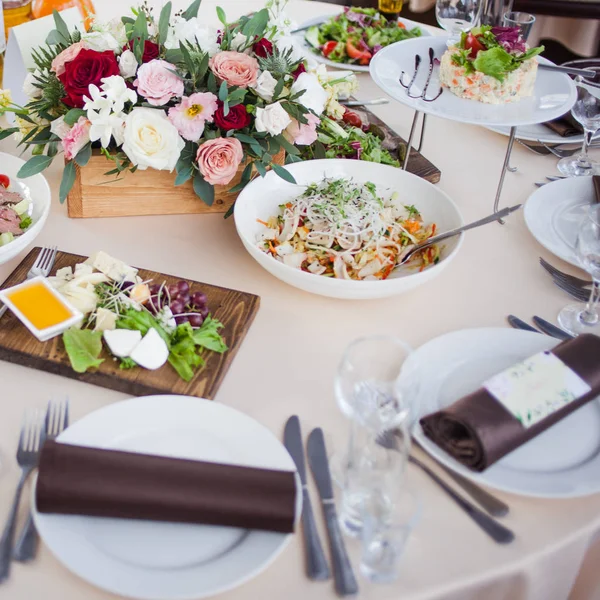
518	324
568	70
551	329
345	582
316	563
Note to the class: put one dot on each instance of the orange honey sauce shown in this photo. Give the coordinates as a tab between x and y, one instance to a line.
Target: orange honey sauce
39	305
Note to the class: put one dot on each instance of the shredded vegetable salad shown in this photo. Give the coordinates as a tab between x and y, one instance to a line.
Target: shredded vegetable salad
339	228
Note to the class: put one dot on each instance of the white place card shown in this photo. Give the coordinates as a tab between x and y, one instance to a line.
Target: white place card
537	387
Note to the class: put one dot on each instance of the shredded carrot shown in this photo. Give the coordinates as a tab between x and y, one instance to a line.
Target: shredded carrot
262	222
272	248
412	226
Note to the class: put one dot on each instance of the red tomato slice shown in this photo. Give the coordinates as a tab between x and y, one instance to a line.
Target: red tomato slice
328	47
4	181
363	57
352	118
401	25
474	45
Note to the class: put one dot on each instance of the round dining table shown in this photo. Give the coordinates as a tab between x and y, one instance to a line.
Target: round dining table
287	362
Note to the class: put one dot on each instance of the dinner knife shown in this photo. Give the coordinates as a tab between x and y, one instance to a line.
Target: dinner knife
345	582
551	329
519	324
316	563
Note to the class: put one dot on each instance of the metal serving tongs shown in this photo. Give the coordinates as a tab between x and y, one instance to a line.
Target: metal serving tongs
497	216
408	86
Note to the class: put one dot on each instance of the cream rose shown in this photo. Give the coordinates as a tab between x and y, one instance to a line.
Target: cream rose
265	86
273	119
150	140
128	64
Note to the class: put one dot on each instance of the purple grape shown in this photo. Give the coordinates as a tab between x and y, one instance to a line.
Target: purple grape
204	312
125	285
198	299
183	286
180	320
177	307
185	298
155	303
196	320
173	290
154	289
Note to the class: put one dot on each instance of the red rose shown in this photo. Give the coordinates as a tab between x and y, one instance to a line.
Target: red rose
88	67
299	70
151	50
263	48
237	117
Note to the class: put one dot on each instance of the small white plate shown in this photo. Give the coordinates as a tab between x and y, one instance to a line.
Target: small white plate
554	212
554	93
168	561
347	66
561	462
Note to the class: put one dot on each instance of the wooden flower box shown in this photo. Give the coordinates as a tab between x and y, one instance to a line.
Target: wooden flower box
148	192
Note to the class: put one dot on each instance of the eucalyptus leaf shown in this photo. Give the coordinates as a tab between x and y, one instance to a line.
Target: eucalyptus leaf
223	91
54	38
283	173
34	166
204	190
184	175
174	56
260	168
140	27
61	26
287	146
73	116
163	23
191	11
4	133
211	83
221	15
255	27
246	175
68	179
84	155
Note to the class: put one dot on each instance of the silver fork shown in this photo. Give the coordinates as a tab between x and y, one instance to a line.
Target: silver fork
56	421
42	266
560	152
558	274
535	149
550	178
573	291
28	453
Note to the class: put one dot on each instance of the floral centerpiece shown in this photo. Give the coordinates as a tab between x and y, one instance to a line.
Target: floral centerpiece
170	92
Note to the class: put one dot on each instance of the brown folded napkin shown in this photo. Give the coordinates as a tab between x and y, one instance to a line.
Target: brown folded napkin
478	430
565	126
75	480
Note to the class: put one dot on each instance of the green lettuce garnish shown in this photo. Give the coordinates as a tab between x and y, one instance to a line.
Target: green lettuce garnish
495	62
83	347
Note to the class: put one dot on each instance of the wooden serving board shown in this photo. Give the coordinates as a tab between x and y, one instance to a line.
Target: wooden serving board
417	163
236	310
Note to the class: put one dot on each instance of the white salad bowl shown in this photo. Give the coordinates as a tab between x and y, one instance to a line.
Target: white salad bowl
40	196
261	199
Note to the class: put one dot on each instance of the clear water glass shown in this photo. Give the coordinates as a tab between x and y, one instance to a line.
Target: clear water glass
524	21
584	318
456	16
374	393
387	528
586	110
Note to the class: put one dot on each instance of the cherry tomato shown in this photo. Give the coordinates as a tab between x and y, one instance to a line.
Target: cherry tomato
362	56
328	47
352	118
401	25
474	45
4	181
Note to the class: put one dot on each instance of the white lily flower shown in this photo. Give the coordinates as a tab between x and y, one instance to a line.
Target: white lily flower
106	125
115	89
98	102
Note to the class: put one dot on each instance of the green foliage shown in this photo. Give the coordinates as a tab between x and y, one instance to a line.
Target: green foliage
34	166
163	23
204	190
192	10
278	63
68	179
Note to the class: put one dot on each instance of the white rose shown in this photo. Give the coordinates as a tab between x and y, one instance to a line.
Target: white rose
273	119
128	64
29	88
117	29
239	41
314	97
100	41
193	31
59	128
265	86
150	140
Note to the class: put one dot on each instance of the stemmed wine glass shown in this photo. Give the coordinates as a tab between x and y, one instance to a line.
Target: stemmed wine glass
579	318
587	111
456	16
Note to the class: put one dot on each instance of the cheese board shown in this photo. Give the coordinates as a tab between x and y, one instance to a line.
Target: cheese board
234	309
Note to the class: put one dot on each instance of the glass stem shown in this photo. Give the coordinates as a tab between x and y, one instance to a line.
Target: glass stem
587	140
589	315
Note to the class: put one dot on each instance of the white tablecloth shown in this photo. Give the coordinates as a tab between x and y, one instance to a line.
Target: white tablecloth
496	273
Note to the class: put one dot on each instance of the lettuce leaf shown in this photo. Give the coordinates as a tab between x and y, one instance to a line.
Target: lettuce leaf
208	336
495	62
83	347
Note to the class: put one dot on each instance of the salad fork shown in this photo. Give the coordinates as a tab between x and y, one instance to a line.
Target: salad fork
42	266
31	441
560	152
573	291
558	274
56	421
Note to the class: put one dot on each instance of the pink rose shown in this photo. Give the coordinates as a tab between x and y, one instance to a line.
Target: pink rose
58	64
156	83
189	116
235	68
219	159
77	138
305	134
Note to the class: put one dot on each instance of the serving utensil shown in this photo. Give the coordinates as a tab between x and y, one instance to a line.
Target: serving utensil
31	441
489	502
374	102
497	216
316	563
551	329
42	266
345	582
567	70
55	422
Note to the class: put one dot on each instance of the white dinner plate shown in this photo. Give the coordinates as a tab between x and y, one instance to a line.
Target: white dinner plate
554	93
347	66
540	133
168	561
561	462
554	213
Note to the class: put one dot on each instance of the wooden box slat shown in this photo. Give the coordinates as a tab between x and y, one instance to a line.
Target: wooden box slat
235	309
